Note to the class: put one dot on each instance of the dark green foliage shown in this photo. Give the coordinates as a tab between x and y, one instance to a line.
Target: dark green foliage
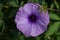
8	30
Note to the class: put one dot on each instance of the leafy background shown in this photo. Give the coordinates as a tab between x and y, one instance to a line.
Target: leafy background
8	30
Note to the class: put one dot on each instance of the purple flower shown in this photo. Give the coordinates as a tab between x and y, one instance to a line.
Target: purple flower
31	21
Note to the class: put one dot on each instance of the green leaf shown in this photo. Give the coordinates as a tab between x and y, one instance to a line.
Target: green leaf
44	3
44	6
22	37
2	26
58	33
40	1
37	1
1	15
52	6
52	29
13	3
13	12
58	37
54	16
38	38
56	4
0	7
2	23
14	34
22	3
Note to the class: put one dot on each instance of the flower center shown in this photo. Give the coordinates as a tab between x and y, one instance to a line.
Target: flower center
32	18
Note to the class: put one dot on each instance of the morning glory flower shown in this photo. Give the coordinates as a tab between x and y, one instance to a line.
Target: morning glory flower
31	21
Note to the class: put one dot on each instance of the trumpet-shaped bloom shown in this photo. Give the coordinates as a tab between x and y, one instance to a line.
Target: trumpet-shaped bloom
31	21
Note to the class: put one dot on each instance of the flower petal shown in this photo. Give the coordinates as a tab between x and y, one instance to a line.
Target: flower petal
20	20
40	22
30	28
30	7
22	12
25	28
35	30
42	26
44	17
